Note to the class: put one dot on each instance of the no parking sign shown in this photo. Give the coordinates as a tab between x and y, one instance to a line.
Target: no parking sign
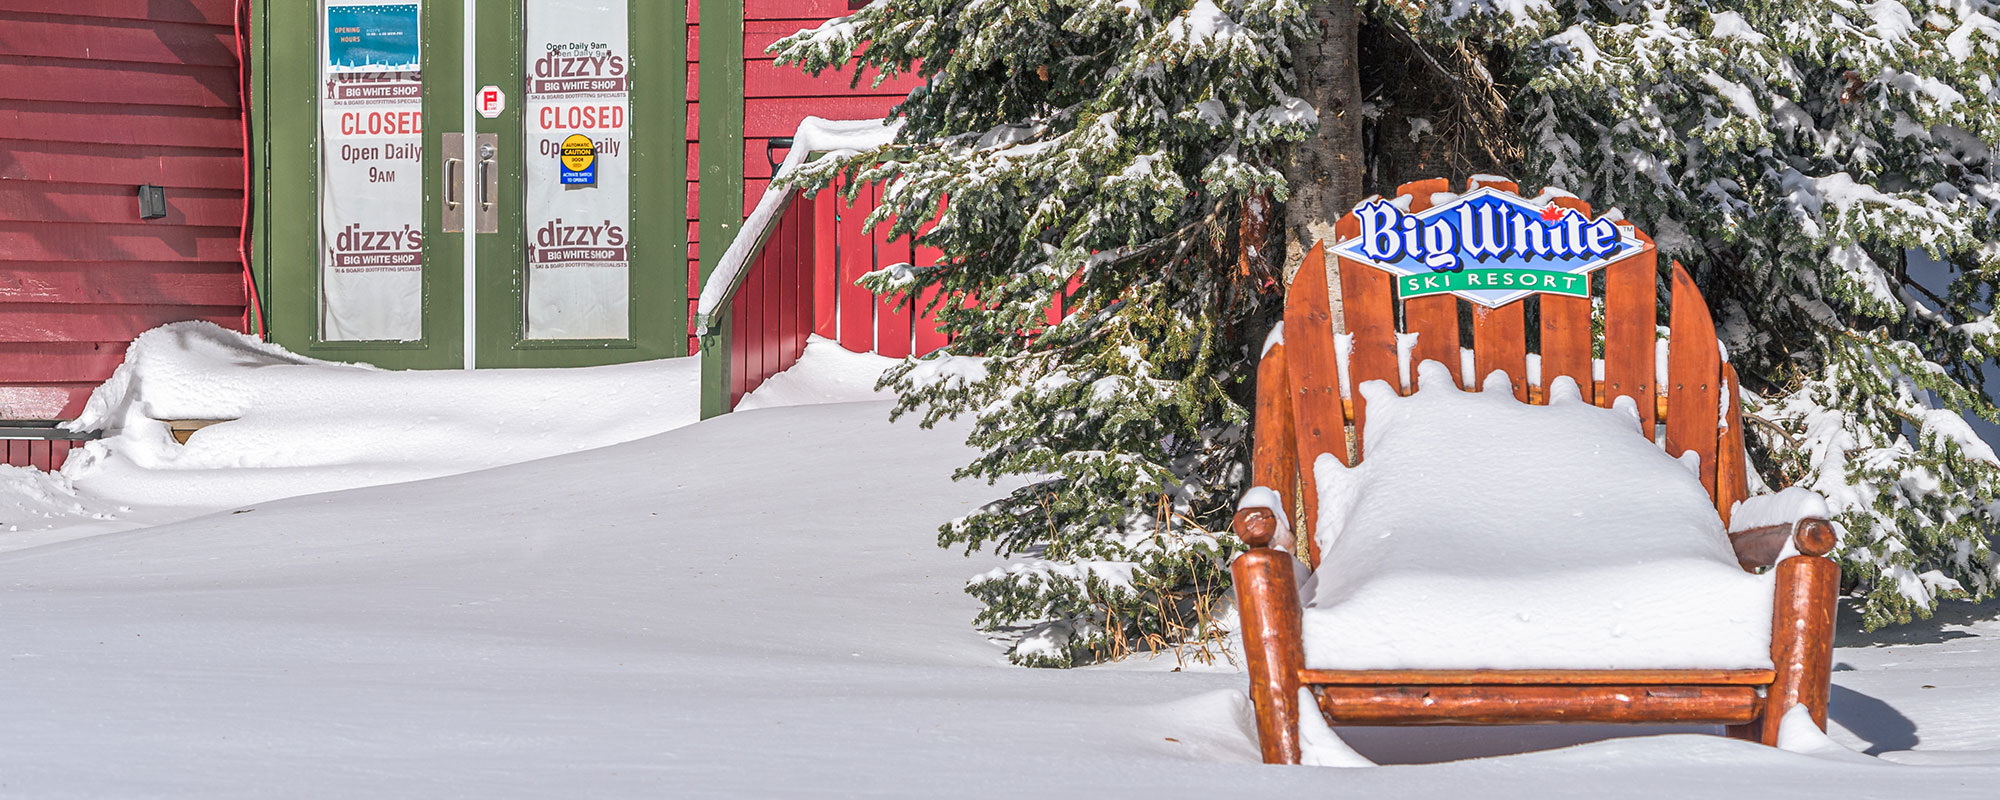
490	101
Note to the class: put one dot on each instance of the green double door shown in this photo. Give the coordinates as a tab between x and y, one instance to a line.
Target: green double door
450	183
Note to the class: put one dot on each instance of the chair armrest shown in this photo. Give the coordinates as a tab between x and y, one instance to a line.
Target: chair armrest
1261	521
1764	545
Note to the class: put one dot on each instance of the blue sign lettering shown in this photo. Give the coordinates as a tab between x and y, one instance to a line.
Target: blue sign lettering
1494	246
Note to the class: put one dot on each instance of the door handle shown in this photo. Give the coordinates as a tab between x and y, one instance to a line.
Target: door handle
489	183
454	197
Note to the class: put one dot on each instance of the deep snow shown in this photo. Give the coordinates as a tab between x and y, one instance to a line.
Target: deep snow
297	425
1485	533
749	606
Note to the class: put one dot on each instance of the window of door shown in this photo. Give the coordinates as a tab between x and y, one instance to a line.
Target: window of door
378	171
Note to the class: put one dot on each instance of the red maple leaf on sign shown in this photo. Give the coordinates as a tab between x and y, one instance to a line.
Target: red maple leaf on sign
1551	214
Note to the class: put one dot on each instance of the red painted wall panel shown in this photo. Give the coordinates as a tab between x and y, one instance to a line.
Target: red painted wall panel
777	98
97	97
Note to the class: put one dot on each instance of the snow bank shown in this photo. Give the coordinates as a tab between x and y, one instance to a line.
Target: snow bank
31	499
1480	532
298	425
748	607
825	373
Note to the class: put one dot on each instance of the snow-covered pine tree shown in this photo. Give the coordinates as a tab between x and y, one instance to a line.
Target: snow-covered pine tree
1096	155
1794	153
1791	152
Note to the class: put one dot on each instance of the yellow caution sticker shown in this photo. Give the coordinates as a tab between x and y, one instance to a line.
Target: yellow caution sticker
579	160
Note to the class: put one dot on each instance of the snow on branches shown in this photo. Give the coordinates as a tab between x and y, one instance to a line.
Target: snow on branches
1096	155
1797	154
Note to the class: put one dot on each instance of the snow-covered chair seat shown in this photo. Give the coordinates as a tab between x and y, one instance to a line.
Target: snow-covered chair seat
1549	548
1486	533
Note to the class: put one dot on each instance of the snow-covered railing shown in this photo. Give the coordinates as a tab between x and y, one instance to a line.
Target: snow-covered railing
791	272
38	444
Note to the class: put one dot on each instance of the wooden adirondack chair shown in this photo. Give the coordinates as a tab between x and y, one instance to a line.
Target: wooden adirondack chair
1301	414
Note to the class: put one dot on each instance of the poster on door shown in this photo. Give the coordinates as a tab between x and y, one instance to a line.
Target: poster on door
371	189
576	192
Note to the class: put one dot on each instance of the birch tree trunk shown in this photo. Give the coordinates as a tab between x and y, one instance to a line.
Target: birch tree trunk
1325	171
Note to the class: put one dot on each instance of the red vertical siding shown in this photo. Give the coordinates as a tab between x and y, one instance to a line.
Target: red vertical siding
856	254
96	98
775	99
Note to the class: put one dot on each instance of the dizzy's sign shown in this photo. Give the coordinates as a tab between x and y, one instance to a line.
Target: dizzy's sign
1488	246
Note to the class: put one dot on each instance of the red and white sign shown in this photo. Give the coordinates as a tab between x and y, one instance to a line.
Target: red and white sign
578	87
490	101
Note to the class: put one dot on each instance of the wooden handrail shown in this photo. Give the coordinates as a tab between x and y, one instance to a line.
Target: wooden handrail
705	320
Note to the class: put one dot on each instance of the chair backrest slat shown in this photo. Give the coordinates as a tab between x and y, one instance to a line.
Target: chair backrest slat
1566	342
1631	333
1368	296
1694	377
1499	335
1314	375
1433	318
1732	481
1698	418
1500	342
1274	459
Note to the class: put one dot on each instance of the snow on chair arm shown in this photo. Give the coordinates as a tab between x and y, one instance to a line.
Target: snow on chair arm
1767	528
1766	545
1261	521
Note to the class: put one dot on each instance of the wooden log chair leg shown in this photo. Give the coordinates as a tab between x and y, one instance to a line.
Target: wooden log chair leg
1267	599
1802	631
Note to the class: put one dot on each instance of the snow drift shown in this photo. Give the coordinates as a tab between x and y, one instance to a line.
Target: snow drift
1481	532
297	425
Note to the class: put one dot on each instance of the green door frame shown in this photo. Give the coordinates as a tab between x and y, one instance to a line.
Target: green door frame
285	188
285	121
721	172
659	189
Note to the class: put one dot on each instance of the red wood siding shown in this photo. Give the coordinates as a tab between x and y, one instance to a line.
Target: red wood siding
802	282
775	99
96	98
42	454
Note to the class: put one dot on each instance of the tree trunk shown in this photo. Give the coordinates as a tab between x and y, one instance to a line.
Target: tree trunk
1325	171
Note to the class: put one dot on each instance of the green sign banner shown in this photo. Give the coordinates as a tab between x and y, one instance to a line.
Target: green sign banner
1534	280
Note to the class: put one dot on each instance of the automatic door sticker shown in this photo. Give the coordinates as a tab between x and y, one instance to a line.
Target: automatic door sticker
579	161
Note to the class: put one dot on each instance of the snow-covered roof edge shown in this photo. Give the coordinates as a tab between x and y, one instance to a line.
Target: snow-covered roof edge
815	135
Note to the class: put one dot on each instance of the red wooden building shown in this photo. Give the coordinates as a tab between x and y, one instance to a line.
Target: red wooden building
228	107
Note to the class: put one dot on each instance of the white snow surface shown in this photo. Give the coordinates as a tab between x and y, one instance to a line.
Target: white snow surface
1481	532
750	607
1783	507
754	606
300	425
825	373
